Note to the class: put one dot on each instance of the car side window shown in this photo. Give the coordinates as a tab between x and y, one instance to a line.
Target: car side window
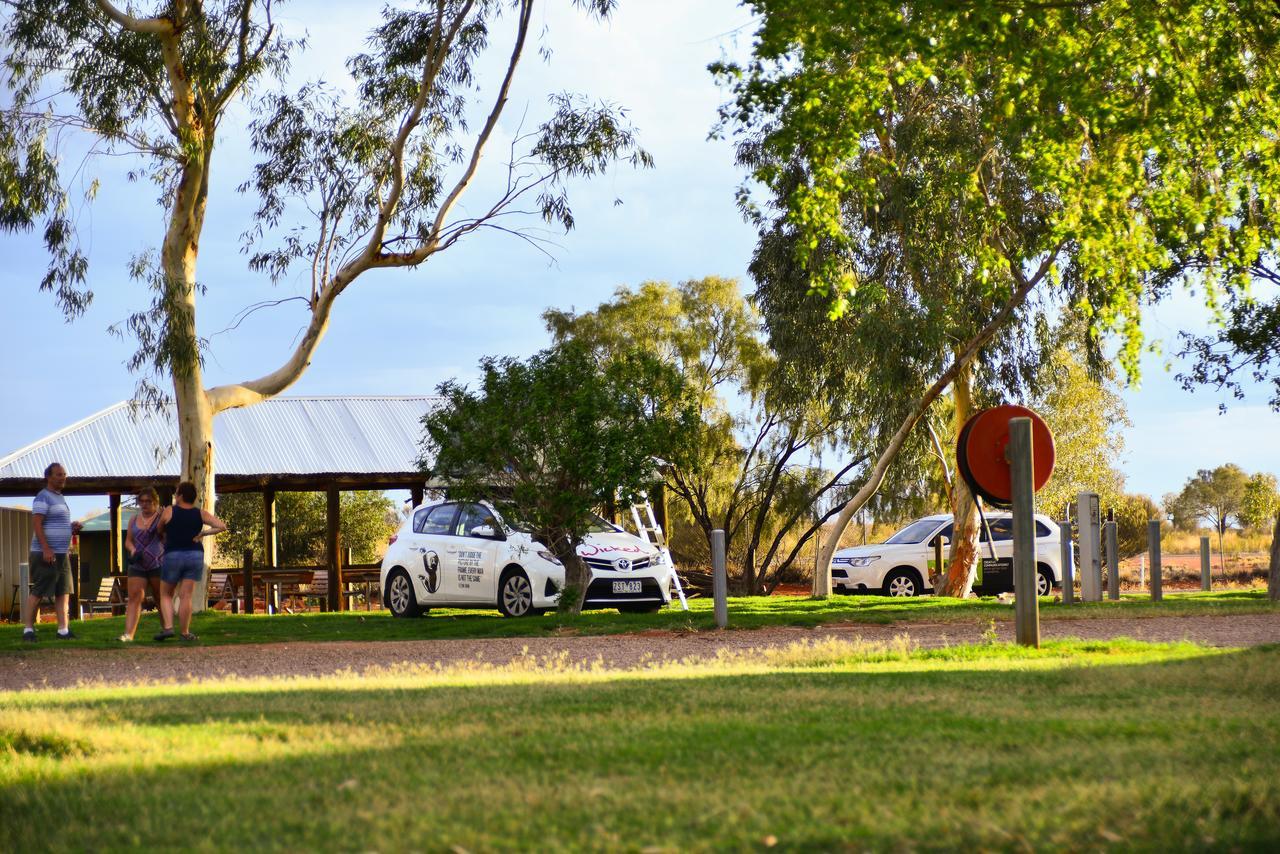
473	516
1001	529
439	519
947	531
1042	530
420	519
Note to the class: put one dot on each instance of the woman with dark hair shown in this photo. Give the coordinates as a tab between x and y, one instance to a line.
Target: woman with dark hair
146	553
183	526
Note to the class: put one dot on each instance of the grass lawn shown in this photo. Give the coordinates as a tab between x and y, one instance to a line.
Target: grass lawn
825	746
215	627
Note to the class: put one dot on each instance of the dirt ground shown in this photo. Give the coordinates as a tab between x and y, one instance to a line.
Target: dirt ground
147	663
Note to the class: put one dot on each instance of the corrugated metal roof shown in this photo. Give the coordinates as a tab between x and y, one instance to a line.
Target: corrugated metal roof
281	435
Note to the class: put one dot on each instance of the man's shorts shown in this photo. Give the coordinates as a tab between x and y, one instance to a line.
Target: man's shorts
182	566
50	578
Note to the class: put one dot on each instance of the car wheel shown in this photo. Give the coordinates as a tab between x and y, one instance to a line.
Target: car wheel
902	582
399	595
1044	582
640	609
515	595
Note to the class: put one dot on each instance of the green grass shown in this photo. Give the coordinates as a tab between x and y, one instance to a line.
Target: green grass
833	745
216	627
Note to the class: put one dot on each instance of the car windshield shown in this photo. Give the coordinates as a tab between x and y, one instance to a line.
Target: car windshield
595	525
913	533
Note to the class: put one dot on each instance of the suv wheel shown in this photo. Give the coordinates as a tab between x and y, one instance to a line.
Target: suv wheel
399	595
1044	582
902	582
515	595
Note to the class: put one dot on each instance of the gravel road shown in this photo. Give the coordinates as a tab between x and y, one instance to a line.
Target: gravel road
150	663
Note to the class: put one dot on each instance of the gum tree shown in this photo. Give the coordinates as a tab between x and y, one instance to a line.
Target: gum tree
346	185
1142	133
552	439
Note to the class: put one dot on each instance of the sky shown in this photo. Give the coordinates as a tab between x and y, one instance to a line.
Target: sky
403	332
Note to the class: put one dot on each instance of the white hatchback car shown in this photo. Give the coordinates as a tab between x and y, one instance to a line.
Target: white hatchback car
900	566
463	555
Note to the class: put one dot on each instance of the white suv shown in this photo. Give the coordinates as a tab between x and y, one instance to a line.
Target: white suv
463	555
900	566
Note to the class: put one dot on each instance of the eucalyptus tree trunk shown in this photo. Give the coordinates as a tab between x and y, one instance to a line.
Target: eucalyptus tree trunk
963	558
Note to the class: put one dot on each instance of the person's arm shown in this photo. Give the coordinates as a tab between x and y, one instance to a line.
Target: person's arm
46	551
165	515
216	525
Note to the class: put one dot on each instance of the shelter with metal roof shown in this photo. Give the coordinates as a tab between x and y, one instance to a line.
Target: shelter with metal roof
312	444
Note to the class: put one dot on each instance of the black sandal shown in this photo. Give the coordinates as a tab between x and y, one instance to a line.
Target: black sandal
164	635
190	637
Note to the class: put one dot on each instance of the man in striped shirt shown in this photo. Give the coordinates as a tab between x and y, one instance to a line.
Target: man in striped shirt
50	567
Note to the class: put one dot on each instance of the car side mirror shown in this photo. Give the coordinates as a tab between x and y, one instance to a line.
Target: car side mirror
486	531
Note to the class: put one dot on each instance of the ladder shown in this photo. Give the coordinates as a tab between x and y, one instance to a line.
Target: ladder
652	534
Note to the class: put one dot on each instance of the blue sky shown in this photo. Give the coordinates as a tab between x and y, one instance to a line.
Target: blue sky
401	332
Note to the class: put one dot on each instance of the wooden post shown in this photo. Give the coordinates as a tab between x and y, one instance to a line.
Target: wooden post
1206	579
270	532
1066	558
719	578
1153	548
248	580
1090	545
333	549
937	560
1113	559
1026	604
415	495
117	543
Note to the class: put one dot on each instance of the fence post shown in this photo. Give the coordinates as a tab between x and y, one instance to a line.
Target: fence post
1067	559
1113	560
248	581
1026	605
1153	548
1205	577
1090	546
719	578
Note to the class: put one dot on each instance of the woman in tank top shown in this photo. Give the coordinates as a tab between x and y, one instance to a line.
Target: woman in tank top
183	526
146	552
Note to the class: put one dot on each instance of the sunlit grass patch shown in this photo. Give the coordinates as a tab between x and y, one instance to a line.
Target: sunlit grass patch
822	744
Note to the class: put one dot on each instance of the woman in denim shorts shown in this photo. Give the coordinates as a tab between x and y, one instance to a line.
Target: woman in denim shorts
146	551
183	525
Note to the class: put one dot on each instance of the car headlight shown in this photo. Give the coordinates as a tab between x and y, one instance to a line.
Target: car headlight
856	562
548	557
658	559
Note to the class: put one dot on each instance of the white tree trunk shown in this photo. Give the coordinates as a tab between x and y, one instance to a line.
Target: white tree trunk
962	560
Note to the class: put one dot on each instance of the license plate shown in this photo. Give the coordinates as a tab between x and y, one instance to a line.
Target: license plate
626	587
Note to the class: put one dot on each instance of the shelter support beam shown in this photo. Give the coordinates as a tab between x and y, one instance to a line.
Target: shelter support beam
333	548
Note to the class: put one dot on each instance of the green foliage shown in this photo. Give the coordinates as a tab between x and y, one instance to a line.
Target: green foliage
368	519
1086	415
1117	148
1133	512
1248	345
755	468
1213	496
1260	503
554	438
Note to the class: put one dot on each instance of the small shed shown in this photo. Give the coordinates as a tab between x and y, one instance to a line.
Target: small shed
15	544
309	444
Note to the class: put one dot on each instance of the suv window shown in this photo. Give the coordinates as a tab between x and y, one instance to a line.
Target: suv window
1001	529
435	520
1042	530
473	516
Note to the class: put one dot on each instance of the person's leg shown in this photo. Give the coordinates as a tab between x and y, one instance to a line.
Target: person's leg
166	606
184	608
133	610
61	604
32	611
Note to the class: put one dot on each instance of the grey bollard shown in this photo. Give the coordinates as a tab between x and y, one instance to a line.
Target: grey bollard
1026	605
1206	580
719	579
1113	560
1067	559
1153	549
1090	547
